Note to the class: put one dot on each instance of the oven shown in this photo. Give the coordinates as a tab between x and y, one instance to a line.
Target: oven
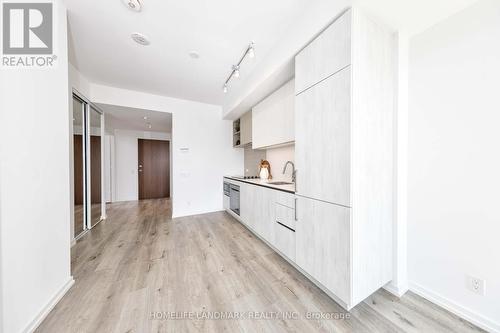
234	201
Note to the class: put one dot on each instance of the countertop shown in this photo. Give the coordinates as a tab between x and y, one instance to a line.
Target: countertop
290	188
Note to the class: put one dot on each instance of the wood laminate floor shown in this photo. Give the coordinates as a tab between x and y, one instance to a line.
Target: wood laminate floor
141	271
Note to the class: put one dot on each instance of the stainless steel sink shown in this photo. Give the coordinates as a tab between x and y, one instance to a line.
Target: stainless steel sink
280	183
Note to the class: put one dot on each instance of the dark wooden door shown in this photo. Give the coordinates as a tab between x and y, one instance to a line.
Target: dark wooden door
78	168
95	169
154	169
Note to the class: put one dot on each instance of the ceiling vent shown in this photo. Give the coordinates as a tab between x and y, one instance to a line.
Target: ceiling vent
134	5
140	39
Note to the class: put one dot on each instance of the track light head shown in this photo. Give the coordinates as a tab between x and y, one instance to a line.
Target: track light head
251	51
236	71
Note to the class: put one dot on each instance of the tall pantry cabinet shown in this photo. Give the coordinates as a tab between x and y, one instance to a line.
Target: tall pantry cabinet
344	157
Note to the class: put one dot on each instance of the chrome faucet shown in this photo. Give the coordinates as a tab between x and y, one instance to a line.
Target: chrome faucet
293	169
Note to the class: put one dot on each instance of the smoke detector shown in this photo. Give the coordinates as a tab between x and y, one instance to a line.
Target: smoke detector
134	5
140	39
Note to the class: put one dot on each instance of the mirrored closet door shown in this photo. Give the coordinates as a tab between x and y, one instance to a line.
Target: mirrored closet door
87	164
95	166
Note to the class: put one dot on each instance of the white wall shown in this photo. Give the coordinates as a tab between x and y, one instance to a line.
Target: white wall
78	81
126	183
196	174
34	173
454	162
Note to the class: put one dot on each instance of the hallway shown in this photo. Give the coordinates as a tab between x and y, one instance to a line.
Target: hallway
139	265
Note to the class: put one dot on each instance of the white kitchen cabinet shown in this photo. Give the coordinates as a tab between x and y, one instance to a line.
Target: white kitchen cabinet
273	119
327	54
257	209
323	134
264	212
246	128
323	244
284	240
344	157
284	227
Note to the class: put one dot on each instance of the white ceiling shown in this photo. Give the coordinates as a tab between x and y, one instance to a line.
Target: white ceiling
119	117
219	30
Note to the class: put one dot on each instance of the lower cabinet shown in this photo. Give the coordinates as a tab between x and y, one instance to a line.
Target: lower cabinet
320	238
323	244
284	240
257	209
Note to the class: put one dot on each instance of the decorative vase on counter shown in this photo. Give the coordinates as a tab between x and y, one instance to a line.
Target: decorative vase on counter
265	170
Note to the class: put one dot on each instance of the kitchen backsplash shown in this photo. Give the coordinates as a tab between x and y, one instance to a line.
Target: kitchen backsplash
252	160
277	157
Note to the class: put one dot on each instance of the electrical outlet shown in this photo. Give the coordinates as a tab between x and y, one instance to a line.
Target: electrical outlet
475	285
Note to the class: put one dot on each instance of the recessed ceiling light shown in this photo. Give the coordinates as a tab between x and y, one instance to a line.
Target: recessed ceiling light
194	54
145	118
135	5
140	39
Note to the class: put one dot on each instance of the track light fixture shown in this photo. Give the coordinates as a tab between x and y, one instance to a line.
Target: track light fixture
235	71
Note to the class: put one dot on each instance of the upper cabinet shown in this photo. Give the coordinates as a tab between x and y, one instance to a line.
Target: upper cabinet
246	128
242	131
325	55
273	119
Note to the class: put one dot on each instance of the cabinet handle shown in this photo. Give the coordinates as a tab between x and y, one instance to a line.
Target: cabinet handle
295	180
295	209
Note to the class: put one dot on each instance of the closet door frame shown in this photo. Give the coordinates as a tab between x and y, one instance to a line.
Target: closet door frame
78	97
87	104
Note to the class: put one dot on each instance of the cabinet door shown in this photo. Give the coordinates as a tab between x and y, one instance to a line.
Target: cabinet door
246	128
327	54
273	119
322	146
264	212
322	235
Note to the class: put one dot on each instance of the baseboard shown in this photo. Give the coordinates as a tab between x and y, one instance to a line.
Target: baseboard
73	242
397	291
467	314
50	305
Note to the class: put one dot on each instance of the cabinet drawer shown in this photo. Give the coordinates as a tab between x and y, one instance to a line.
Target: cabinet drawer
285	215
284	240
285	199
327	54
